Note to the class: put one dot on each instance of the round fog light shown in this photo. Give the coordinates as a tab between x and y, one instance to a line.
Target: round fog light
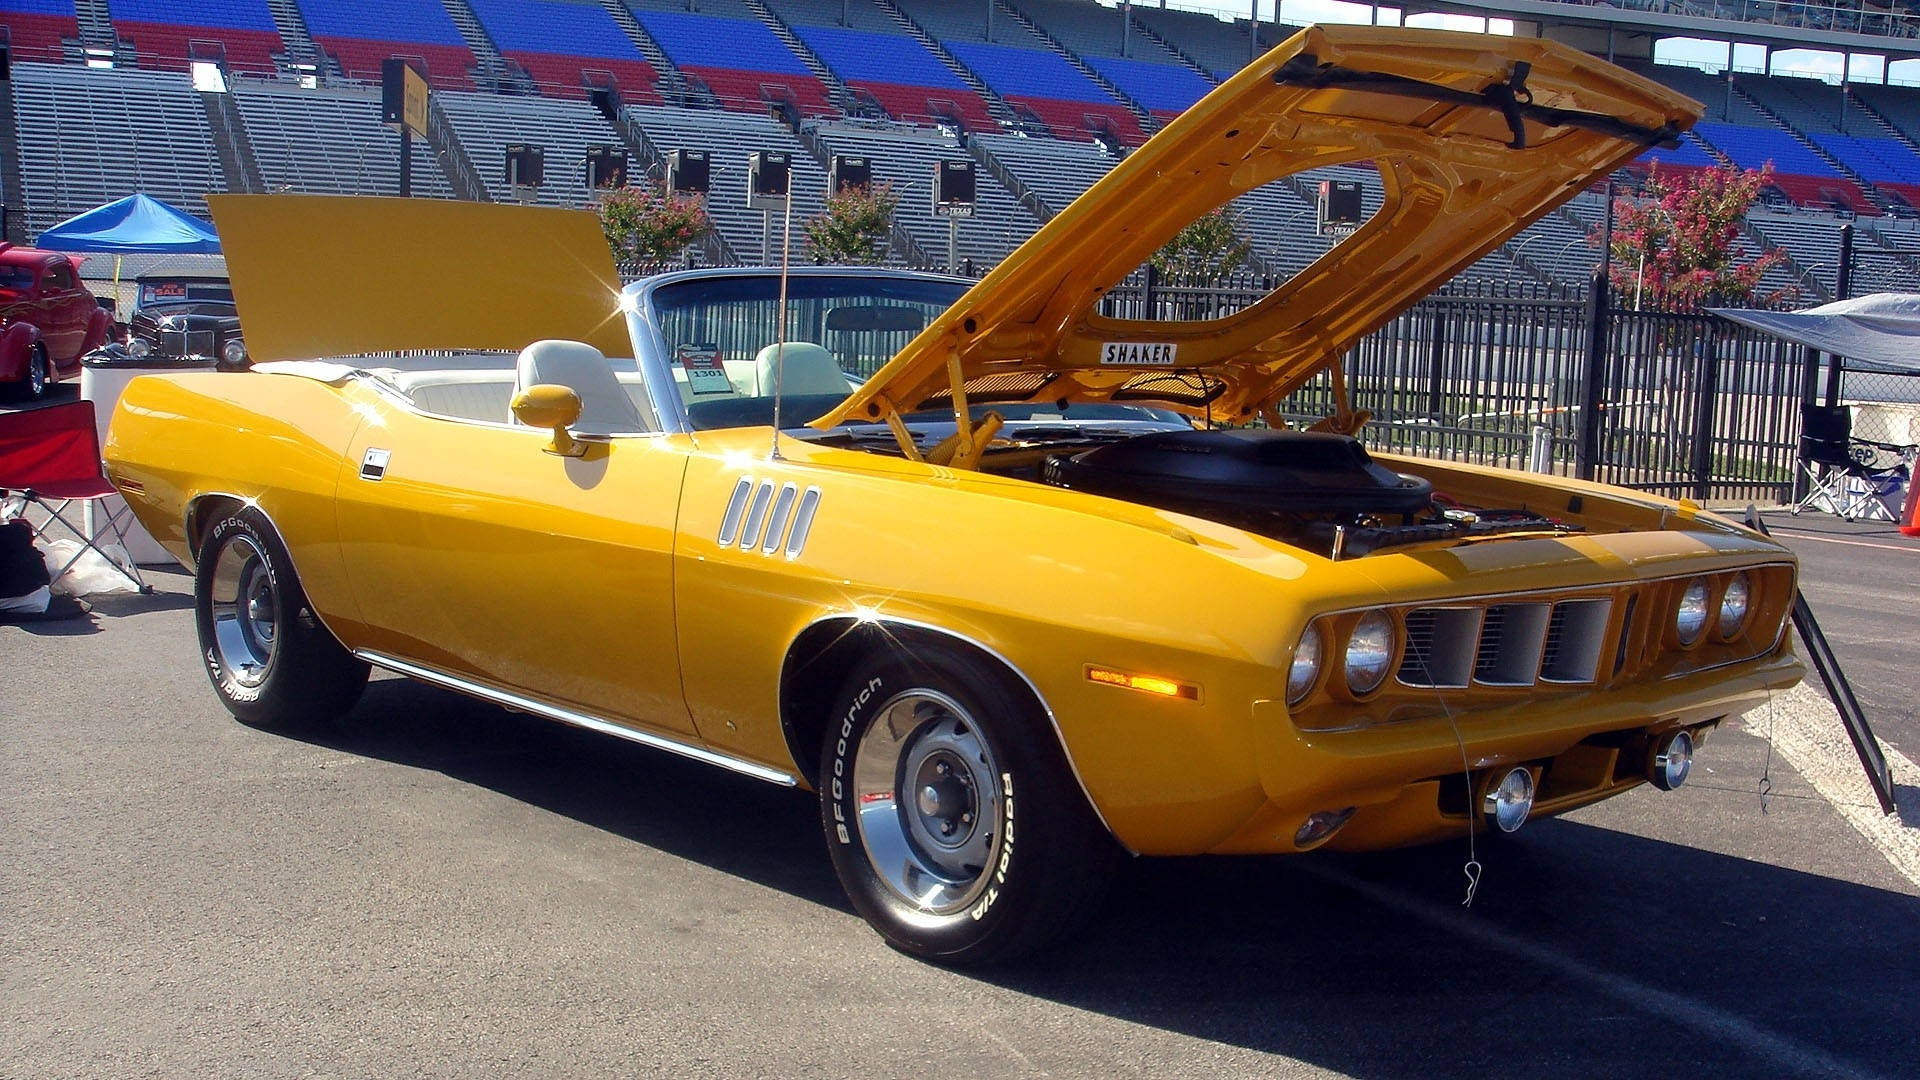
1509	800
1319	826
1672	761
234	352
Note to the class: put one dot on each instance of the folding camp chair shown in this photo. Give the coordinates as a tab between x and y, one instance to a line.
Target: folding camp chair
1845	475
50	458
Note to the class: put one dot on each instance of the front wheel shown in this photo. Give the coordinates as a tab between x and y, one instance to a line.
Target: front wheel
38	375
266	653
953	818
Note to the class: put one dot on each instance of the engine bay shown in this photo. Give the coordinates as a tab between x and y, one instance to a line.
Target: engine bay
1314	490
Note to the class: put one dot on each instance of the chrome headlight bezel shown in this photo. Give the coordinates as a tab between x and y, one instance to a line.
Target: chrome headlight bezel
140	347
1690	614
1368	656
234	351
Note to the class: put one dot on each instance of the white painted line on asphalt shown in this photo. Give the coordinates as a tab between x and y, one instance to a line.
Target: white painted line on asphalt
1714	1023
1807	732
1789	533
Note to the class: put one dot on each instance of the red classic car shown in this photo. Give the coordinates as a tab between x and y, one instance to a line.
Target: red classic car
48	320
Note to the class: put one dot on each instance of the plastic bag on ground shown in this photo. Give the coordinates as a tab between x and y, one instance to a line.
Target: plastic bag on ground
90	575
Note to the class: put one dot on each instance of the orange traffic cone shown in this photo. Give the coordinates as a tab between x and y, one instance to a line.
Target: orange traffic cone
1910	516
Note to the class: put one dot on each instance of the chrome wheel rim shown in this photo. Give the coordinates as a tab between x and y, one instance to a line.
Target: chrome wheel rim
928	795
36	375
245	604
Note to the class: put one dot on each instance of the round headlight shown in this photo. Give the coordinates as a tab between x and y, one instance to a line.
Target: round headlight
140	346
1369	652
1692	616
1734	604
1306	665
234	352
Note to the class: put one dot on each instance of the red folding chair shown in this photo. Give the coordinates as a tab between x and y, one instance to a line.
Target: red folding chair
50	458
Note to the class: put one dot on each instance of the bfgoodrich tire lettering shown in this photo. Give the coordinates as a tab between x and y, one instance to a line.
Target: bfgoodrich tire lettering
269	658
952	817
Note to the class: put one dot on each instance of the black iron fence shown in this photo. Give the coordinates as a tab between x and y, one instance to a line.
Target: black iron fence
1509	374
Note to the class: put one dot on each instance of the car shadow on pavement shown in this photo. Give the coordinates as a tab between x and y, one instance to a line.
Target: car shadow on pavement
1587	952
743	827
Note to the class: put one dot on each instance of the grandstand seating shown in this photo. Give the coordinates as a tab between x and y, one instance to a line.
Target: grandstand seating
1026	72
1221	47
1155	79
486	123
37	29
729	137
738	57
1798	172
329	142
88	137
1055	171
872	56
906	160
359	34
558	42
168	34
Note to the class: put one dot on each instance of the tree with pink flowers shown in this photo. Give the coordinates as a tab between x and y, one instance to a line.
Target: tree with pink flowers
1678	246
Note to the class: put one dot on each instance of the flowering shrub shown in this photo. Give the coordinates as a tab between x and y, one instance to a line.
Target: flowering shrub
1204	252
650	224
1677	248
855	226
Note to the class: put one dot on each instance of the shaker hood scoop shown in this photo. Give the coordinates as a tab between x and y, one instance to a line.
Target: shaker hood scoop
1474	138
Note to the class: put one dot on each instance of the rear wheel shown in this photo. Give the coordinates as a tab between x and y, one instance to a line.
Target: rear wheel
267	654
953	818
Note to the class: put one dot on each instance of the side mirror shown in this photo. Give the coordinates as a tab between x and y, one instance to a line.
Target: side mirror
550	405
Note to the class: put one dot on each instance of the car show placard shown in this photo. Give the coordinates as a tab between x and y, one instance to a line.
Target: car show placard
705	373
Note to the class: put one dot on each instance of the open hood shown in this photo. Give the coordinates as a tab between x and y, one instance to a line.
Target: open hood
1474	137
326	275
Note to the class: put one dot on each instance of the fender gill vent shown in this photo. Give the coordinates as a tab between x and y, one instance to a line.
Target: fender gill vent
777	521
802	522
756	515
736	506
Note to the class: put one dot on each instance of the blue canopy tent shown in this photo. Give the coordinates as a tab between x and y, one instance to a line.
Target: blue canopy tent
135	225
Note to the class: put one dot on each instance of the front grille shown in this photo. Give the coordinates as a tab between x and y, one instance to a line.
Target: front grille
1440	646
187	343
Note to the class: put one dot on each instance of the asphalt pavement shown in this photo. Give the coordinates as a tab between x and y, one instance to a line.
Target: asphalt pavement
437	887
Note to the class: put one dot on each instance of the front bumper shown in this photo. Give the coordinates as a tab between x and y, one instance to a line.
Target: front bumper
1411	782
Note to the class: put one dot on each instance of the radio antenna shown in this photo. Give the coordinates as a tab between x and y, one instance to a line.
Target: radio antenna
780	333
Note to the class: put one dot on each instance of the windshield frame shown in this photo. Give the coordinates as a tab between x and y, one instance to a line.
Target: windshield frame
650	349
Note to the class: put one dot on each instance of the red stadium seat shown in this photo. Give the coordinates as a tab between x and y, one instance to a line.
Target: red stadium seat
38	37
168	47
449	67
568	76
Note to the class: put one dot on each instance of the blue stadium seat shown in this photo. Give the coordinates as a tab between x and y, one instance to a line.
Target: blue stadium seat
560	42
168	34
361	33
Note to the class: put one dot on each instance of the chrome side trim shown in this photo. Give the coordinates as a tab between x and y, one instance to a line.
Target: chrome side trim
1058	735
577	719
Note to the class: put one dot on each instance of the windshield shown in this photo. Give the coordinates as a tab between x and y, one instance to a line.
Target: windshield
720	334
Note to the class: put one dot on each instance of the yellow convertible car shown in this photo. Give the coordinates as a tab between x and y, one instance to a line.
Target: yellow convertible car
1016	586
